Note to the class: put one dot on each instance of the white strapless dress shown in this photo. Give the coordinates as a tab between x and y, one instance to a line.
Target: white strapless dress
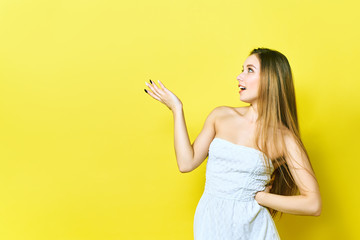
227	210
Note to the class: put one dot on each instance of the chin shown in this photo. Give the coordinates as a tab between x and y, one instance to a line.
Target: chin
246	100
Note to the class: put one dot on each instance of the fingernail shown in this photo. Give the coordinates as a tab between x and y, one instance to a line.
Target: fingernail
150	81
145	90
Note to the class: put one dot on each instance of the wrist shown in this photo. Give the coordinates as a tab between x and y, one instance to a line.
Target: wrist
177	109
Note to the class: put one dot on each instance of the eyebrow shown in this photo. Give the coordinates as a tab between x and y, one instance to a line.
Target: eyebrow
250	65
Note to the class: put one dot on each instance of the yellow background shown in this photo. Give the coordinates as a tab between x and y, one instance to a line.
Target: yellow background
86	154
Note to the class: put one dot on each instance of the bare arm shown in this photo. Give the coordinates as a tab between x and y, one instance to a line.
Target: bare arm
183	149
188	156
309	200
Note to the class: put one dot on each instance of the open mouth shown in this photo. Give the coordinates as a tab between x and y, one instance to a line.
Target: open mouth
242	87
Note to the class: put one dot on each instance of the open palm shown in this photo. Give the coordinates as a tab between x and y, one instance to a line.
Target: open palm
164	95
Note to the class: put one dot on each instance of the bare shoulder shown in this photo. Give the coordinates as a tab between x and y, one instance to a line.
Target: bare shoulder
219	112
289	137
292	144
223	111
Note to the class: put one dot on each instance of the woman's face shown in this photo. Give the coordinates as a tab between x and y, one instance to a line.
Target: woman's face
250	79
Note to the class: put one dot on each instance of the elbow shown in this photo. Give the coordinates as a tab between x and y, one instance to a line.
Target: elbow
186	166
316	209
312	205
184	169
317	212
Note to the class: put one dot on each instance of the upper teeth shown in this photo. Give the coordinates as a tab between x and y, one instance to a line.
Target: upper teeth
241	87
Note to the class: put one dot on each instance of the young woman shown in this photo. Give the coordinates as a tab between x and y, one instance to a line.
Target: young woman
257	164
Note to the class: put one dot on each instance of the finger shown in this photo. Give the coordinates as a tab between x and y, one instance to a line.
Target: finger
157	89
152	89
162	85
153	95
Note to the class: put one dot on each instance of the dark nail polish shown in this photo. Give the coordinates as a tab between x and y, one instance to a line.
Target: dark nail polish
150	81
145	90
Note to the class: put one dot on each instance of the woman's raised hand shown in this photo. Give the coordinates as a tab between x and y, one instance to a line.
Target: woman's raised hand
164	95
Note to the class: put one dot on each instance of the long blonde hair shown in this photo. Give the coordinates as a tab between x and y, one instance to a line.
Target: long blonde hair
276	111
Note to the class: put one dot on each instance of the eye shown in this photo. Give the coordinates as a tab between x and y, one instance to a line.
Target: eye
250	69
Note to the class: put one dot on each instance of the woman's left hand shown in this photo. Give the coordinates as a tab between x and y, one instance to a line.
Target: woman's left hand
258	194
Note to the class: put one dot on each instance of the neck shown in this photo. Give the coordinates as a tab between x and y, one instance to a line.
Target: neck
252	113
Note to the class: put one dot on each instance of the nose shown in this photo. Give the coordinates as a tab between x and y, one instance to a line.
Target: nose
239	77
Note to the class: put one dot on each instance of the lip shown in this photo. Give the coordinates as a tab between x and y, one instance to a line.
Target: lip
239	85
